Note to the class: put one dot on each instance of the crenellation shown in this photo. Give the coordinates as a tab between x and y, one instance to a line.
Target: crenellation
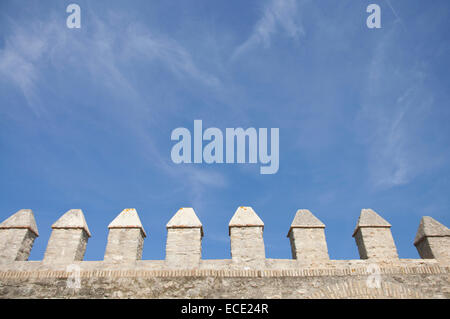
432	239
246	237
125	238
68	239
309	274
184	240
17	235
307	237
373	237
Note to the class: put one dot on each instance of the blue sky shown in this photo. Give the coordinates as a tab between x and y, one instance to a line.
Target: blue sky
86	115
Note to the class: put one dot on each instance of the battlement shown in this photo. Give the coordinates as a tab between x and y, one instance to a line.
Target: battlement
70	235
123	254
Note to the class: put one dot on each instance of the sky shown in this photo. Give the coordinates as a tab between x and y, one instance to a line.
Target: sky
86	115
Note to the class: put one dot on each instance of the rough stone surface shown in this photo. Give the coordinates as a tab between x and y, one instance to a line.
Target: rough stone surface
330	280
69	238
66	245
247	245
432	239
305	219
185	218
246	236
245	217
125	238
434	247
73	219
15	244
307	237
375	243
308	244
429	227
128	218
184	236
373	237
368	218
183	247
24	218
236	288
124	244
248	274
17	234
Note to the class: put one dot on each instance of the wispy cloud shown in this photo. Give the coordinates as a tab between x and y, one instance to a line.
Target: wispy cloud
396	15
277	15
105	54
18	60
102	52
395	101
199	181
142	43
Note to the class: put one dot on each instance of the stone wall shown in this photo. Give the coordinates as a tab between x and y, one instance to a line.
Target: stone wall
247	274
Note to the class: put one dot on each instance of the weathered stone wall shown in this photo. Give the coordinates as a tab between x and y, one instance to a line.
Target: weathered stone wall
184	240
375	243
183	247
247	245
247	274
124	244
16	244
308	244
407	280
66	245
434	247
374	238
